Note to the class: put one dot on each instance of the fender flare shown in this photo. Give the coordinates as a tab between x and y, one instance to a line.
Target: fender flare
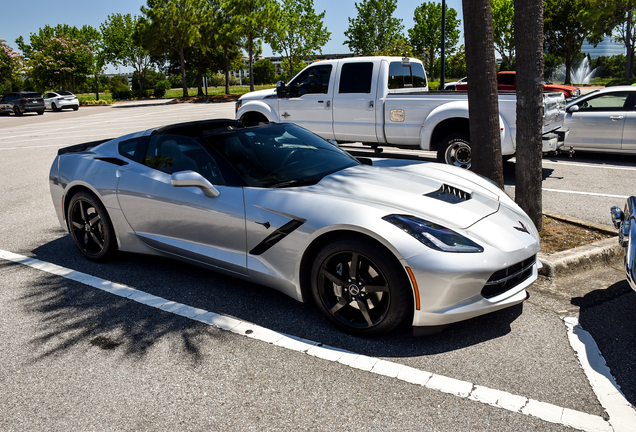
459	110
258	107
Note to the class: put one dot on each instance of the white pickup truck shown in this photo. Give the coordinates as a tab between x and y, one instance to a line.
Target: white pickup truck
384	101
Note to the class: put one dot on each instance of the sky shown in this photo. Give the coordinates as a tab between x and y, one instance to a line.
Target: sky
23	17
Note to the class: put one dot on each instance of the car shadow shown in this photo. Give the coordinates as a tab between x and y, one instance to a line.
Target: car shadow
608	315
79	314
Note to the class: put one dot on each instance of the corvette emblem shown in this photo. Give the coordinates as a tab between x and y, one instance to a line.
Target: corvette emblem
522	228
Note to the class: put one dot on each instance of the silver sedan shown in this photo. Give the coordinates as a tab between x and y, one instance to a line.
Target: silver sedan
603	121
56	101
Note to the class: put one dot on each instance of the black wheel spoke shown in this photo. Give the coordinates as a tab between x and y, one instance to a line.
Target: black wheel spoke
93	221
365	311
97	240
342	303
353	268
77	225
332	277
82	212
376	288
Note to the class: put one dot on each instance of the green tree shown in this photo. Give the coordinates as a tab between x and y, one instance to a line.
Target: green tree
297	31
375	28
426	35
264	71
119	47
172	26
615	18
251	19
565	29
227	36
92	38
398	47
60	63
11	66
483	101
503	26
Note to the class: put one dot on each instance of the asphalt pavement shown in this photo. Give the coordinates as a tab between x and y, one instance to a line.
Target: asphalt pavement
75	356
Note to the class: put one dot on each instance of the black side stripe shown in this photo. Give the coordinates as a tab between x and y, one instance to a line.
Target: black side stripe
276	236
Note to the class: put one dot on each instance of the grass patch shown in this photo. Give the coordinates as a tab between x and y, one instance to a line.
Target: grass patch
89	98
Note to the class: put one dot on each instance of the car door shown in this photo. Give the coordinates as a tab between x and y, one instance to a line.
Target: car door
354	109
598	123
309	101
629	129
184	221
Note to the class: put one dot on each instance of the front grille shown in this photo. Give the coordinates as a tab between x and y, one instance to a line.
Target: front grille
450	194
508	278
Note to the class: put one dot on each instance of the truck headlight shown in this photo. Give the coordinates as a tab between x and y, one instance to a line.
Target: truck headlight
238	105
434	236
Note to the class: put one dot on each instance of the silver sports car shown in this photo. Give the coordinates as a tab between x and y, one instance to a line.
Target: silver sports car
371	242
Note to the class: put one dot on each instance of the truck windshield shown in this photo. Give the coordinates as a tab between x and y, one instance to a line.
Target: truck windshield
406	76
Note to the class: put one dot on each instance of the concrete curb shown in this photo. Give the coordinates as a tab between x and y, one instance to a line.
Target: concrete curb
602	252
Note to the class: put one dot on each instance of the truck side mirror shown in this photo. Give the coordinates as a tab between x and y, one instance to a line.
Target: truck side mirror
282	91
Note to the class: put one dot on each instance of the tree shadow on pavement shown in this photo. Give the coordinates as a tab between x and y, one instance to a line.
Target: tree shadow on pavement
608	315
78	314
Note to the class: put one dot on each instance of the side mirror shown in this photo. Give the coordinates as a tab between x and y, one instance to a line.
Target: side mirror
281	90
194	179
573	109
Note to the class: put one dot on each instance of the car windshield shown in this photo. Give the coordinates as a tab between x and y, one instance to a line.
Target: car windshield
279	155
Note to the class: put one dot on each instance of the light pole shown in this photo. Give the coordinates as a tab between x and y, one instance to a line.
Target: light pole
443	56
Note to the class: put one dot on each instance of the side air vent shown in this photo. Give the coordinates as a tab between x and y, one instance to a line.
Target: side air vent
450	194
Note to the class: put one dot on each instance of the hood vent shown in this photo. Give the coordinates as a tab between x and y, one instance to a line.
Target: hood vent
450	194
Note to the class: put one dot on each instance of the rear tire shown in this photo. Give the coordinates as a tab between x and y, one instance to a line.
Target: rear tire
17	111
55	108
361	288
455	150
90	227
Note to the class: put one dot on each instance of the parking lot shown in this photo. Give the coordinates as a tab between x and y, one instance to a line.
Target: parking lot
77	354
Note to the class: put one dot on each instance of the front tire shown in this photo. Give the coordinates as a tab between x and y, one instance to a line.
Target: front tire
90	227
455	150
360	287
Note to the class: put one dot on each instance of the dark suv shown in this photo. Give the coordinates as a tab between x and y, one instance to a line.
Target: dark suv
21	102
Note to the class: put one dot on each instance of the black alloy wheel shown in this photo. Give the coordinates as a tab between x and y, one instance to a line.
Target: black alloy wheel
90	227
360	287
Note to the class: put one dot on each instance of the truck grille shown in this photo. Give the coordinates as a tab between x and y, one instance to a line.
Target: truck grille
508	278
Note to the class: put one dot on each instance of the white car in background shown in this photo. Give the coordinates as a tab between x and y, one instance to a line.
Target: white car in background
56	101
452	85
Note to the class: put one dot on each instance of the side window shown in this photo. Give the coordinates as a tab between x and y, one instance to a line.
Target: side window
174	153
356	78
134	149
605	102
313	80
506	79
406	75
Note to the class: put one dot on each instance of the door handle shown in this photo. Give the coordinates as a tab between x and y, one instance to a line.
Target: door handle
616	117
370	104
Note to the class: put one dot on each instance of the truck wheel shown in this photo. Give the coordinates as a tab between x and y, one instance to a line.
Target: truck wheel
455	150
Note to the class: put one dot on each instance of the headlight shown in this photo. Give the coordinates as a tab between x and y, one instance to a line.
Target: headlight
434	236
238	105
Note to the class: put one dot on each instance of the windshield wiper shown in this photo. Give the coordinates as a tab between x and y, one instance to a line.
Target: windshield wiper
294	183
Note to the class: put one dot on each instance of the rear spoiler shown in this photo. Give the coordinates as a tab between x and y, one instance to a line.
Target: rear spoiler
77	148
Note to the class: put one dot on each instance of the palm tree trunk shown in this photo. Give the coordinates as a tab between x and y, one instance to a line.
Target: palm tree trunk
483	99
528	169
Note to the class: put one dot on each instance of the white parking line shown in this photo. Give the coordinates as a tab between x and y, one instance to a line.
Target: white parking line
622	415
590	165
579	193
463	389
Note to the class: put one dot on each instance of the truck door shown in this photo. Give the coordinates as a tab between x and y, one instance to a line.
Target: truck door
309	102
354	109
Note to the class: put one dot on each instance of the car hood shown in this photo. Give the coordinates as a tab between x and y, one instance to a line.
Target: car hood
452	198
258	94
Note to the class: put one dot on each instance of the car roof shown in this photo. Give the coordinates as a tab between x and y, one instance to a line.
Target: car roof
196	128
